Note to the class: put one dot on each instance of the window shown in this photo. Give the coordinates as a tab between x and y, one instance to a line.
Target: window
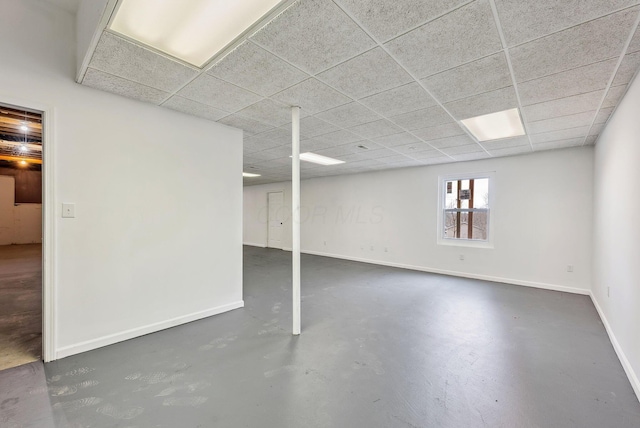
464	217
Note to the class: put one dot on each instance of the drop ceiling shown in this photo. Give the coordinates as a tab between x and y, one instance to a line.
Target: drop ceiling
396	78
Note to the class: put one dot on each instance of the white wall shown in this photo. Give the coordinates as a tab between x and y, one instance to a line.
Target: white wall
27	224
157	236
617	231
542	219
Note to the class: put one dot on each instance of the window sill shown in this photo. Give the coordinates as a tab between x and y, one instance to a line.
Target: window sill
465	243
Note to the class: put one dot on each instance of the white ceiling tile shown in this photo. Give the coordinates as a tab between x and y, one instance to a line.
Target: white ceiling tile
559	144
312	95
614	96
412	149
562	122
424	118
379	128
349	115
437	160
282	151
369	73
527	20
506	143
277	135
314	36
441	131
313	145
379	154
217	93
194	108
312	126
281	164
488	102
387	19
627	69
251	67
603	115
581	80
564	134
461	150
267	111
338	138
584	44
402	99
483	75
471	156
459	140
510	151
429	154
634	46
257	143
117	56
117	85
396	139
337	152
395	159
564	106
249	126
466	34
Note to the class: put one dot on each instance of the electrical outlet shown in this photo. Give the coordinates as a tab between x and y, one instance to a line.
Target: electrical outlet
462	257
608	291
325	243
372	248
386	250
569	268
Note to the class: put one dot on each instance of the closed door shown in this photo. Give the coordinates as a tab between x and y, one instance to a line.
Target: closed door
276	219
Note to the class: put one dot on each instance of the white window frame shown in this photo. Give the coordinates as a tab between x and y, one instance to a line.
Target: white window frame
458	242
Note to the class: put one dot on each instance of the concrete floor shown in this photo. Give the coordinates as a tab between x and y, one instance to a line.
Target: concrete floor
20	304
381	347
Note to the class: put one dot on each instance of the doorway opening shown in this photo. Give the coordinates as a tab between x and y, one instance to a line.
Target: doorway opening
21	231
275	203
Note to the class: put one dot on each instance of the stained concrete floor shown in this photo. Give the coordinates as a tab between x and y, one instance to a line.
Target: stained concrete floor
20	304
381	347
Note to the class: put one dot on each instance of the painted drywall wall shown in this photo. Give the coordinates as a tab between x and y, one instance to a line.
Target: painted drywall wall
7	192
157	236
19	223
616	269
542	219
27	224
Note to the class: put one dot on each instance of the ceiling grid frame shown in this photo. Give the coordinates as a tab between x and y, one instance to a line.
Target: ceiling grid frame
505	49
613	76
356	101
431	131
353	18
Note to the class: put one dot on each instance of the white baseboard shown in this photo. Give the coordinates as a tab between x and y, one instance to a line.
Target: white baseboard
253	244
141	331
626	365
503	280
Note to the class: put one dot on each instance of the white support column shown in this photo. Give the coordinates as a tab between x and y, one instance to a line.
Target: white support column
295	207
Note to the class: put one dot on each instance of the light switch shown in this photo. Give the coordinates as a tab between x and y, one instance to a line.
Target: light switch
68	210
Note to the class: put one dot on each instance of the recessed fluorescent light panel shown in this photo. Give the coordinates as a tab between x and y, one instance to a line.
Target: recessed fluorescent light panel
495	126
248	174
319	159
191	30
